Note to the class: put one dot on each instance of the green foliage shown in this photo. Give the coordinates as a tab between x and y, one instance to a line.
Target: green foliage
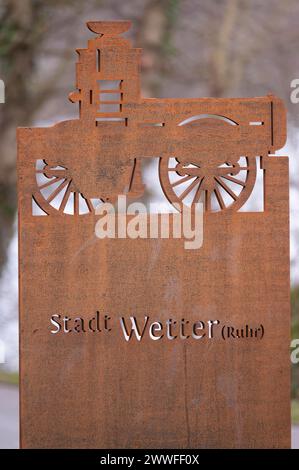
295	411
7	36
7	203
295	311
7	210
9	377
171	14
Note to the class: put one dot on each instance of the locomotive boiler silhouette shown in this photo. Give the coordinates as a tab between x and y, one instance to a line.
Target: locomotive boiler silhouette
208	147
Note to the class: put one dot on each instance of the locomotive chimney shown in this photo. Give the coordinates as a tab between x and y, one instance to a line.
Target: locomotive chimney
107	73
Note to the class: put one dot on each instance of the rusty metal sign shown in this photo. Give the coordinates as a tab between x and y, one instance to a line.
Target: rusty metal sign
129	342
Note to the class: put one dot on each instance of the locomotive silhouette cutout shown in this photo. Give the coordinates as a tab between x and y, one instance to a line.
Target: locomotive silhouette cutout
207	146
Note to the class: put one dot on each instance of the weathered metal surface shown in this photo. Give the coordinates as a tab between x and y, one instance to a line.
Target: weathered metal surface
94	388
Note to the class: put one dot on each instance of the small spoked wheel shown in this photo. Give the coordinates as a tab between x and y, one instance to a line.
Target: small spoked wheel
220	187
57	191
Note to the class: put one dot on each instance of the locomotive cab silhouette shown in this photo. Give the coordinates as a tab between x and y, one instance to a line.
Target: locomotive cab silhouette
207	146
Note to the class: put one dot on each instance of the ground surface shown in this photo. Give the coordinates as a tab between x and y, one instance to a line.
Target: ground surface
9	410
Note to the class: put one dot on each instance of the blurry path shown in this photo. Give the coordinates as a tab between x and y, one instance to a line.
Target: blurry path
9	417
295	437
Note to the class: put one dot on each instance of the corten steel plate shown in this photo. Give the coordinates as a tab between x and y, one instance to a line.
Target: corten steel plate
94	389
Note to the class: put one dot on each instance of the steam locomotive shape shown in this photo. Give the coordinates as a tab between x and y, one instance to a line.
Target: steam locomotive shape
207	146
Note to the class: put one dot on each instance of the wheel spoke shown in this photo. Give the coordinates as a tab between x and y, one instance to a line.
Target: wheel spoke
198	192
183	180
219	198
88	203
234	180
57	191
76	203
226	188
52	181
207	200
65	197
189	189
53	173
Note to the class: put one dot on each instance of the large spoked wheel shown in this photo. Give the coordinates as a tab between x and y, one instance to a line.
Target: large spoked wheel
220	187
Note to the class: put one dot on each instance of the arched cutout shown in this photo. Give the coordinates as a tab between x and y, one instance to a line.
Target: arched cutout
36	208
207	116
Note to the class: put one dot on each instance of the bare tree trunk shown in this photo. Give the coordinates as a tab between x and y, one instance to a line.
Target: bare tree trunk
221	70
20	24
22	32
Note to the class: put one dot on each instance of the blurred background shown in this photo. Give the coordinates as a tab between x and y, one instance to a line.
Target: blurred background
191	48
